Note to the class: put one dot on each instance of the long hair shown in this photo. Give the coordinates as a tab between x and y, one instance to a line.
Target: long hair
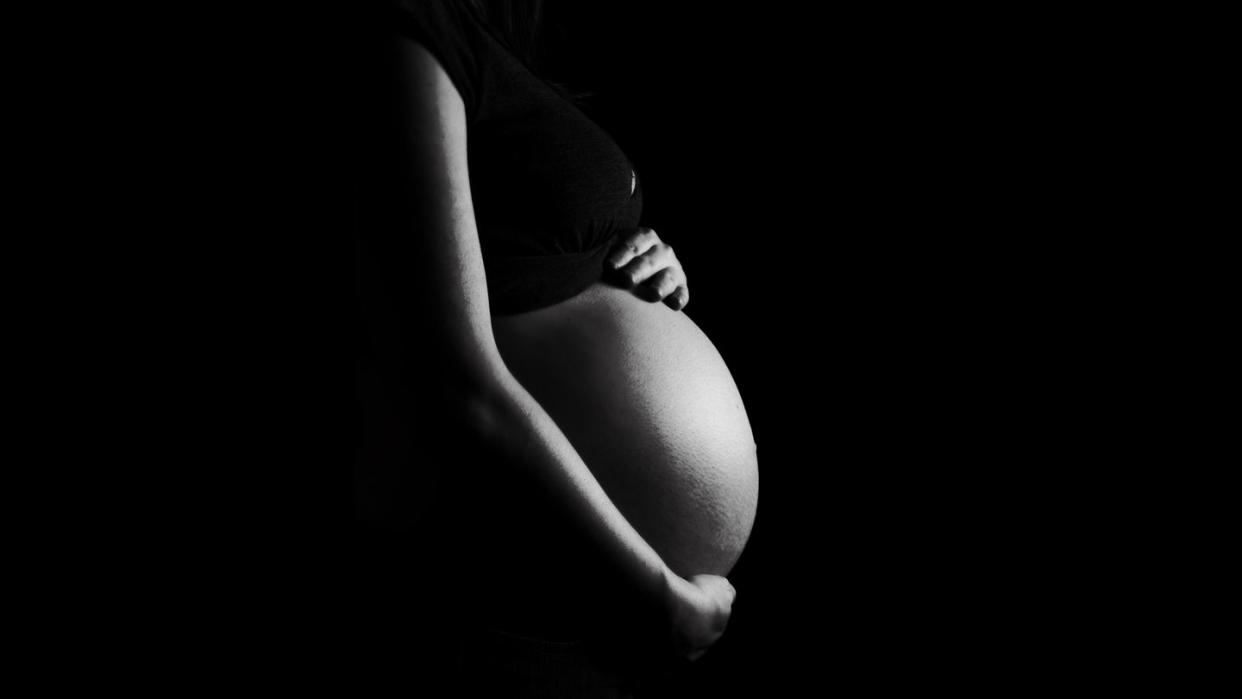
517	21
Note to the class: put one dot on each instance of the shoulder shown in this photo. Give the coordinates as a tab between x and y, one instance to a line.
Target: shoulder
448	30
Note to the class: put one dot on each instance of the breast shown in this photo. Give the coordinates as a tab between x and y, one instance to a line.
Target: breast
648	402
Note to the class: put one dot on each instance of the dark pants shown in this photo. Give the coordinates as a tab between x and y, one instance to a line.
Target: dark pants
465	659
496	663
473	634
604	646
495	593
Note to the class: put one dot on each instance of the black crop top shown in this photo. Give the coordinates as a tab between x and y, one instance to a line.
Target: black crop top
552	191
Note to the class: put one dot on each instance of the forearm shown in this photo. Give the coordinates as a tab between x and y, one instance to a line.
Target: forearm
514	424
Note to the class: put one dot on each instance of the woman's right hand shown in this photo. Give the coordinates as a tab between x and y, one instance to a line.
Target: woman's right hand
698	610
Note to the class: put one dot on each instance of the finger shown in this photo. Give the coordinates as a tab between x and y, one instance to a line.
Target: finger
662	284
678	299
719	588
646	265
631	246
708	581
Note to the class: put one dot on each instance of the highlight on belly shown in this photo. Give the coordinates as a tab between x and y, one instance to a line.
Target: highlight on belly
648	402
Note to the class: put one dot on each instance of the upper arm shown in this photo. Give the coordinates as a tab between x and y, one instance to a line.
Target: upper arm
425	233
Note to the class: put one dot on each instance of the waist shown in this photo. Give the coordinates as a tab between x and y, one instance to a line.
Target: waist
518	284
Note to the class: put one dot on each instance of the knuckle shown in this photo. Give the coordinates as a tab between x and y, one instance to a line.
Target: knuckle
636	269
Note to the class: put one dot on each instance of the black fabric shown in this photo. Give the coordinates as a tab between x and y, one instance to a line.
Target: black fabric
552	191
437	25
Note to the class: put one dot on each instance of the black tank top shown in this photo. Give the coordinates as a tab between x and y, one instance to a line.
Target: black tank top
552	191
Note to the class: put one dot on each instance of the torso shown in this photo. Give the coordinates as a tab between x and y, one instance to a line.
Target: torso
638	389
647	401
649	404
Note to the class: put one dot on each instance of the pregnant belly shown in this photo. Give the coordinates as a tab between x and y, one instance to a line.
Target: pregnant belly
649	404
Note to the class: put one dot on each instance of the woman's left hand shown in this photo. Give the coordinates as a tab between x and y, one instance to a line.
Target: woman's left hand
647	264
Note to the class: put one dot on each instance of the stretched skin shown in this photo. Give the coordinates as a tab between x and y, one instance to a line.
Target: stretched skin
650	405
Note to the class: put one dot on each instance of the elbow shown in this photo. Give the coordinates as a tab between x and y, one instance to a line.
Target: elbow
453	393
476	398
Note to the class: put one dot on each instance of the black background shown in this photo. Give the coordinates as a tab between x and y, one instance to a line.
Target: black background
867	205
855	198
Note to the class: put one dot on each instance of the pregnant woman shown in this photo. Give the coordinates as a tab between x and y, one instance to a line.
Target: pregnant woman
572	440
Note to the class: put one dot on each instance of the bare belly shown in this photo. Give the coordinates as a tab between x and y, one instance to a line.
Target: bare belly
649	404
